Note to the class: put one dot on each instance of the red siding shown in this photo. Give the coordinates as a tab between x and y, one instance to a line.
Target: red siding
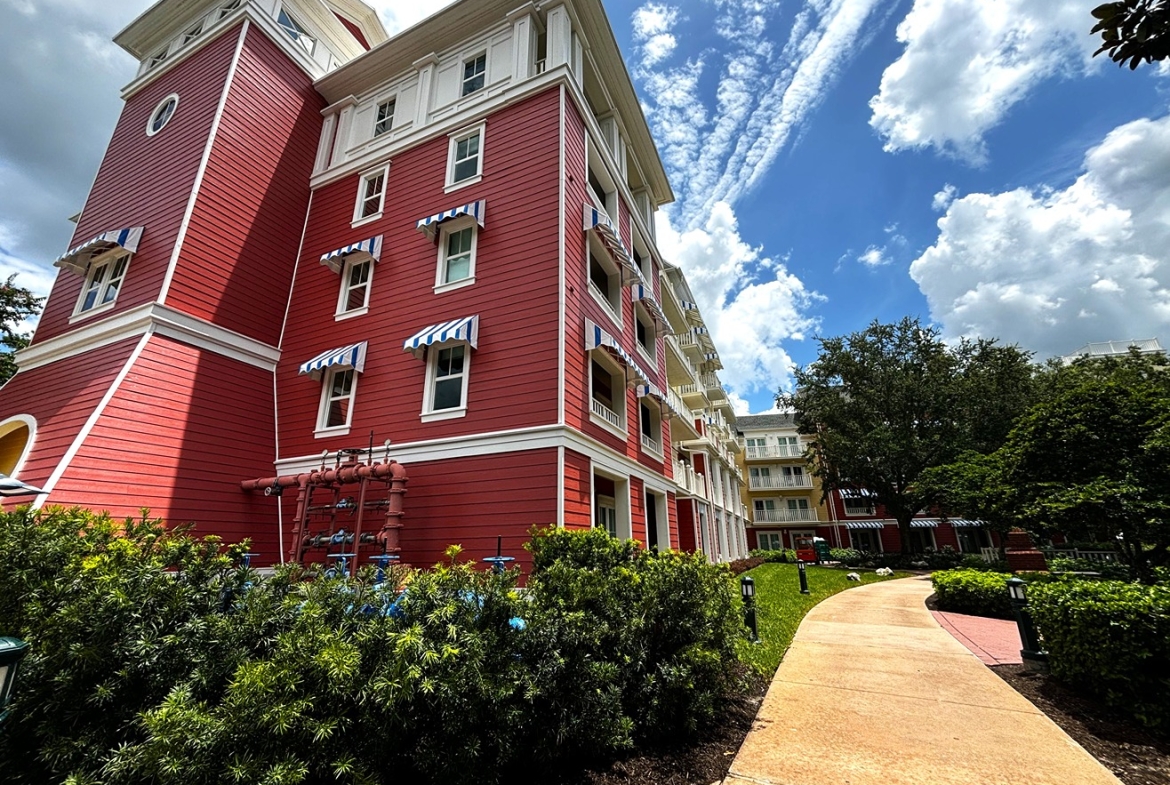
638	510
685	513
60	397
672	517
578	503
237	259
185	427
513	379
354	30
147	181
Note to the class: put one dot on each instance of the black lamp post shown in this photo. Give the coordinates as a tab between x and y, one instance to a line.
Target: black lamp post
803	576
747	589
1034	657
12	651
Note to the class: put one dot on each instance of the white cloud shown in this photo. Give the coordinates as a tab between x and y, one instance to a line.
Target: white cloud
764	92
749	315
1055	269
874	257
967	62
942	200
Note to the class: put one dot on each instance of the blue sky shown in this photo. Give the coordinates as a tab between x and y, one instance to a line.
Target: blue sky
834	162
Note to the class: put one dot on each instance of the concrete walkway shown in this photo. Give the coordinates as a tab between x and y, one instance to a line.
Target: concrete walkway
873	690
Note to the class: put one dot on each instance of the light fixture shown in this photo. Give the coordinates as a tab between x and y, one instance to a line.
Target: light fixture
1017	591
747	587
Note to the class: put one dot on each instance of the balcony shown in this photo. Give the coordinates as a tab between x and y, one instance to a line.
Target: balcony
785	516
679	367
713	385
686	478
774	451
780	482
607	414
651	446
696	395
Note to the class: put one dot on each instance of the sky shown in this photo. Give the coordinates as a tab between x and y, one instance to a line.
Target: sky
834	162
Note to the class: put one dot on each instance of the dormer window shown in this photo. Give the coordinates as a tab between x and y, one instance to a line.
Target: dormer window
296	32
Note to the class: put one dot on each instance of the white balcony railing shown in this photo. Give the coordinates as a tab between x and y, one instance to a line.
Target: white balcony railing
775	451
780	481
687	339
784	516
689	480
651	446
606	413
691	389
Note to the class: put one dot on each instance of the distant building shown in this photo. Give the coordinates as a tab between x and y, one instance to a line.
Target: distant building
1115	348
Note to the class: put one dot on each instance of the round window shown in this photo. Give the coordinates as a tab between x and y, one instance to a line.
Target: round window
162	114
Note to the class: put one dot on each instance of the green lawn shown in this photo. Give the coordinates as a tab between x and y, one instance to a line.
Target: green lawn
780	606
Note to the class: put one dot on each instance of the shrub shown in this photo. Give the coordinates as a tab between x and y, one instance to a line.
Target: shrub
1111	639
781	556
849	557
740	566
972	561
1109	570
975	592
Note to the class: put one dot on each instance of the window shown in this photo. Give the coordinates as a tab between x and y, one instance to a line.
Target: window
858	506
789	446
371	195
643	263
385	117
336	399
760	477
162	114
607	392
102	283
602	189
227	8
156	59
192	34
447	386
464	160
355	285
296	32
644	329
650	419
16	436
765	510
769	541
798	510
971	539
605	280
605	514
921	540
456	255
474	71
866	540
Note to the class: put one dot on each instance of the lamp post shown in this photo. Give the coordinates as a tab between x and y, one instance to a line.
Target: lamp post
499	562
12	651
803	576
1034	657
747	590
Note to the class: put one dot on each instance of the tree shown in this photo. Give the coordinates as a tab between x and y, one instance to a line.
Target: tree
1088	460
893	400
16	305
1134	31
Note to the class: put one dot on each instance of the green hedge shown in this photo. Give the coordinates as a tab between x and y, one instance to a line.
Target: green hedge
974	592
156	659
1111	639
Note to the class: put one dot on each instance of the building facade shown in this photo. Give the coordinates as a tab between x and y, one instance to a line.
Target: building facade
310	249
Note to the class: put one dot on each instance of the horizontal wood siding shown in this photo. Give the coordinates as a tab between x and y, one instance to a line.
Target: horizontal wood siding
237	260
470	501
687	526
578	502
185	427
638	510
672	517
147	181
513	373
60	397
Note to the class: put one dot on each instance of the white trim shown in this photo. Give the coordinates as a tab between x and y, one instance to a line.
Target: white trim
103	262
614	271
444	414
372	173
182	235
323	428
29	422
150	317
429	413
454	138
150	129
463	92
446	229
560	523
561	315
352	261
94	416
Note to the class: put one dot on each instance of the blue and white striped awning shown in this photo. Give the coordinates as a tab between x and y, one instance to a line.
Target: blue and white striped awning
601	225
964	523
464	329
924	523
712	361
642	293
334	259
597	338
649	390
77	259
352	356
476	210
856	493
691	311
864	524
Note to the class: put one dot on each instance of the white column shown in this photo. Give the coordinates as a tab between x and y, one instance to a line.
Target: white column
559	36
426	77
523	43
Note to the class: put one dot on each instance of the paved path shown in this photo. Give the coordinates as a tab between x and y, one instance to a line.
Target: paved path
874	691
993	641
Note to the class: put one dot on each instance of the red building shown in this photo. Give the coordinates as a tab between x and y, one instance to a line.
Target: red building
309	246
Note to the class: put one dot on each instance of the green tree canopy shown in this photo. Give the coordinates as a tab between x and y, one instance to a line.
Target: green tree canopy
16	305
893	400
1134	31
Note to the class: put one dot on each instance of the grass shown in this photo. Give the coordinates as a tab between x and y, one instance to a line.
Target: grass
780	606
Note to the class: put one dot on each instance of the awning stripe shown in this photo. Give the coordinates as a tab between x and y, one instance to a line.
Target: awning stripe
712	361
960	523
600	223
597	338
352	356
649	390
864	524
856	493
78	257
641	292
463	329
924	523
334	259
476	210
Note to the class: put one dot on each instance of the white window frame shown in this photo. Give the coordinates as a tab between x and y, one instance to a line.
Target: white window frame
323	429
855	535
96	276
655	414
613	307
595	165
453	149
352	261
641	316
371	174
774	540
869	511
296	31
617	384
463	80
446	229
606	504
378	120
150	121
429	414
